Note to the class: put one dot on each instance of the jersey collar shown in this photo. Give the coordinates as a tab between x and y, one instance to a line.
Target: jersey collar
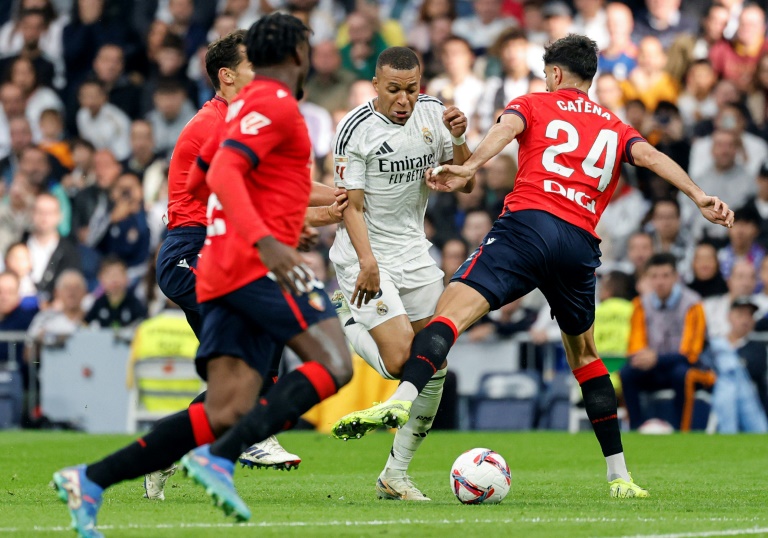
220	98
572	90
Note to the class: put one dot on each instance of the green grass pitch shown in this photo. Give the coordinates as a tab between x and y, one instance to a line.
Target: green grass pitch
700	486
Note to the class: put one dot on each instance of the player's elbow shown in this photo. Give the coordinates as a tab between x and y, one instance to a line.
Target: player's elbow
647	157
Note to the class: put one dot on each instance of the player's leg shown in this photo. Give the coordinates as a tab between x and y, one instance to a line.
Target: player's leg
570	291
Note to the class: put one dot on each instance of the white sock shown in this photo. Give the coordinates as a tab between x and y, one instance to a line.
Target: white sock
409	437
617	467
365	346
406	391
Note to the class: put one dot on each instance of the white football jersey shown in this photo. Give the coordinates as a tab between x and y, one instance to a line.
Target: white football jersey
388	161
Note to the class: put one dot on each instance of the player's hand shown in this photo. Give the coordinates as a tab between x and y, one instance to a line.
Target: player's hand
448	177
341	195
286	266
367	285
455	121
308	238
715	210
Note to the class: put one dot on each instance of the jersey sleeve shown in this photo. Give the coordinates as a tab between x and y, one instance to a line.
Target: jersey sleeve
199	168
522	107
630	137
349	160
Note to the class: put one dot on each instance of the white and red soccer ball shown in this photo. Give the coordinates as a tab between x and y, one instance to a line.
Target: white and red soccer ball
480	476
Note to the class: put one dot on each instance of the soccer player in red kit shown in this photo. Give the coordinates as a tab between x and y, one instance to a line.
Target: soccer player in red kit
261	178
570	153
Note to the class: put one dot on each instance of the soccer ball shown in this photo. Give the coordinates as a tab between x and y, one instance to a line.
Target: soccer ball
480	476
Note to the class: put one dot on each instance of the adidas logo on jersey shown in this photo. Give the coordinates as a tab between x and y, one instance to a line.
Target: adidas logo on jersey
385	149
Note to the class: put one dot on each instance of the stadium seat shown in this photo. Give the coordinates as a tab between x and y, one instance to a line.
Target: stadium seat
11	397
556	404
163	385
506	401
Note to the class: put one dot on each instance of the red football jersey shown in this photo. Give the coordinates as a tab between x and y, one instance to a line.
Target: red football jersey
570	154
183	208
260	183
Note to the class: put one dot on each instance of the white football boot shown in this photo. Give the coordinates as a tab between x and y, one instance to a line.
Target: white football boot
154	483
398	488
269	454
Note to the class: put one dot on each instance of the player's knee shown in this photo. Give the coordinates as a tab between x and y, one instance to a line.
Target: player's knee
338	362
223	417
394	359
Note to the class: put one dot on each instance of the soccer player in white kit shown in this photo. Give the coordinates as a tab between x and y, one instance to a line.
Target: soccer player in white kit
389	284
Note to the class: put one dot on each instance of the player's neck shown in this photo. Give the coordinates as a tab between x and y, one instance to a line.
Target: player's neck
226	94
281	74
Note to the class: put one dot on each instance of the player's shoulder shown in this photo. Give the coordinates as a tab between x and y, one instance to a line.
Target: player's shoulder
427	101
265	96
353	127
357	116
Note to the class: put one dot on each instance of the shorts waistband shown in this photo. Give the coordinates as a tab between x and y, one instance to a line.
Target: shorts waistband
187	231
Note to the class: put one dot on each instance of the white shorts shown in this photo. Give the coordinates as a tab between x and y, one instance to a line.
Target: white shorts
411	289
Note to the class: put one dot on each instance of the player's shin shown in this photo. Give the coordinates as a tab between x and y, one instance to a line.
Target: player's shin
600	404
428	354
365	346
173	437
292	396
409	437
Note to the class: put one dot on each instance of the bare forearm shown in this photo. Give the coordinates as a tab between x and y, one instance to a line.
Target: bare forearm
669	170
497	139
358	234
321	195
320	216
462	154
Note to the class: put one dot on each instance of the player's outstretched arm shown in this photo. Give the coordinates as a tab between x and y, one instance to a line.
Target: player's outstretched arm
451	177
456	123
321	195
713	209
368	280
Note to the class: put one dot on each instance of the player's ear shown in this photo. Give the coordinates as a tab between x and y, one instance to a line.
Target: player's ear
375	82
226	75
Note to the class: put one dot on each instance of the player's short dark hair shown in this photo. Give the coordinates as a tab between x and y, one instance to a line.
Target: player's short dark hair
224	52
273	39
575	53
398	58
661	259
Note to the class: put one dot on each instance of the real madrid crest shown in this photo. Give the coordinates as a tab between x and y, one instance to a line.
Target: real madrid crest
381	308
427	135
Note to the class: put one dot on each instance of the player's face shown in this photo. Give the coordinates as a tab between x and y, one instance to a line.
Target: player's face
397	92
243	73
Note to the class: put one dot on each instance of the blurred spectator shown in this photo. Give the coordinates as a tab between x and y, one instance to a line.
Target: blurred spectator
613	314
622	217
741	282
117	307
12	101
320	126
171	66
757	100
244	11
667	336
591	19
365	44
726	178
736	59
618	56
761	298
558	20
735	401
321	20
759	204
483	27
66	315
514	81
664	20
18	260
16	215
500	172
742	244
458	85
696	103
82	168
13	317
439	32
123	231
37	98
94	199
109	69
707	279
88	29
328	85
609	95
689	48
454	252
31	27
102	123
43	177
476	226
52	138
668	235
182	24
12	40
142	149
752	149
430	10
648	81
51	254
20	138
171	113
639	251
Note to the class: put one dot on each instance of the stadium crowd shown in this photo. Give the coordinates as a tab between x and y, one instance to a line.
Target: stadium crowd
94	93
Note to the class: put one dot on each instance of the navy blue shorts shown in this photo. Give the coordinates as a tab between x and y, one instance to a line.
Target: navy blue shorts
534	249
176	263
251	321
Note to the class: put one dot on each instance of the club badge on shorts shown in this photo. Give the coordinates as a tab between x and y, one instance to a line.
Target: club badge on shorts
381	308
316	301
427	135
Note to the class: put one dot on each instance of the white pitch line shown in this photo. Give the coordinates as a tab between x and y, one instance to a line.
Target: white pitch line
704	534
374	523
